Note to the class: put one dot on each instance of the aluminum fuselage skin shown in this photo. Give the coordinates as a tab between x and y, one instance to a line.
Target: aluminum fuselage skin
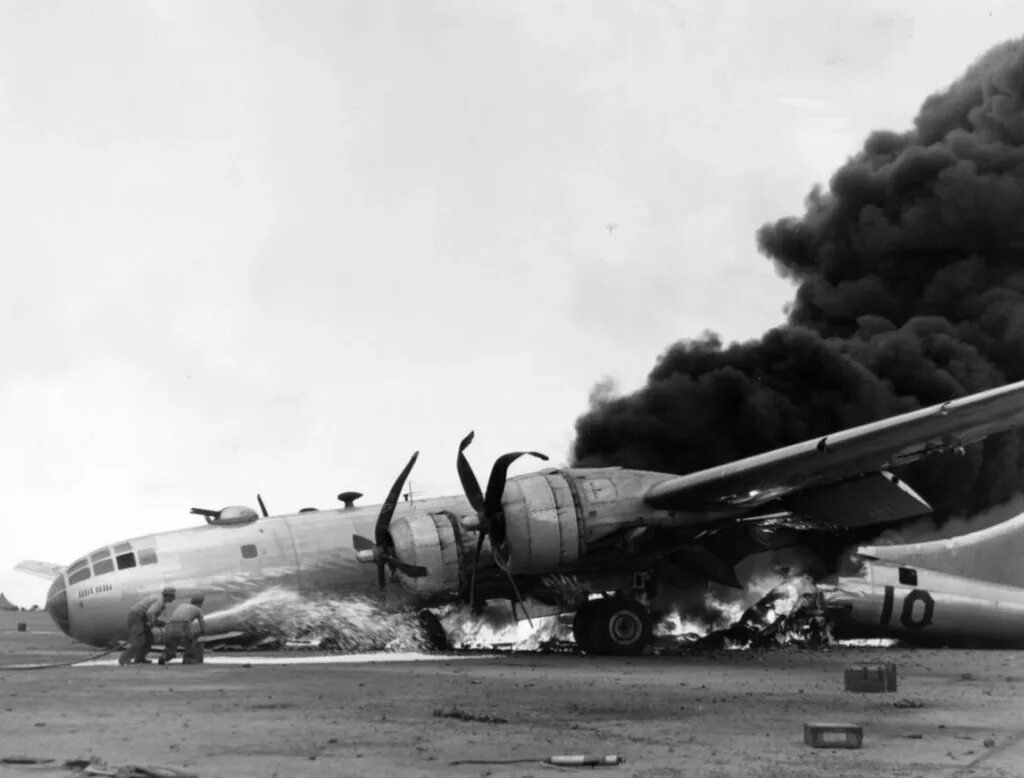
309	552
926	607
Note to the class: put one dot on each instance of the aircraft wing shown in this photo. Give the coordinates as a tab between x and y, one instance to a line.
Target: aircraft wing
850	459
47	570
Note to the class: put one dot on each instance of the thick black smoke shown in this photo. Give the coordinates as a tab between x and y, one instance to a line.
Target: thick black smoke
910	291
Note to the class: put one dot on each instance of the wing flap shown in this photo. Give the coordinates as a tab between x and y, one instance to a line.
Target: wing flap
877	498
753	481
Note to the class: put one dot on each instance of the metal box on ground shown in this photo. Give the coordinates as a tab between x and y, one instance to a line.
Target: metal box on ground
871	678
824	734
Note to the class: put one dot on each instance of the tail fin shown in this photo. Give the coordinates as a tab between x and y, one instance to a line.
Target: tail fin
47	570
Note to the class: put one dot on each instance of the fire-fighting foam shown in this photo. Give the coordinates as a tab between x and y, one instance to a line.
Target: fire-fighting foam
350	625
359	625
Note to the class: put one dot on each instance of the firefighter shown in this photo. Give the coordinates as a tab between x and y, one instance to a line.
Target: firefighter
185	627
141	618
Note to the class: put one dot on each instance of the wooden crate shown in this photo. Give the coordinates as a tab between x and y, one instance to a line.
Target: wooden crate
871	678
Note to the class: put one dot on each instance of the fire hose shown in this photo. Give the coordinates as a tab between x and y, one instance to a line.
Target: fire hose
69	663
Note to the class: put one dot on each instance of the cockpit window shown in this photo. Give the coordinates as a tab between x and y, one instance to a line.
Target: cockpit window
124	561
77	565
122	548
146	556
103	566
79	575
95	556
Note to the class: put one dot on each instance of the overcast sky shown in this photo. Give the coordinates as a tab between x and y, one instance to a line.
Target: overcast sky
277	247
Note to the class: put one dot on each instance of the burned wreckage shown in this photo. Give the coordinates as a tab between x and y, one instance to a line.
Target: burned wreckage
624	538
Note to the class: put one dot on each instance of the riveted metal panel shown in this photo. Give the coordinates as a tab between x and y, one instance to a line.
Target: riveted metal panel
416	541
450	549
545	538
568	526
541	523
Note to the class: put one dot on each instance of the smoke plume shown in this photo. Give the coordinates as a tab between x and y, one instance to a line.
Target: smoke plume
909	273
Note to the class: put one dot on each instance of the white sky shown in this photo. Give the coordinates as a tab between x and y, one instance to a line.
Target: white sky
278	246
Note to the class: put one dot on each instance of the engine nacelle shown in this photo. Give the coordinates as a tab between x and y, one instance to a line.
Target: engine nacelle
434	541
553	516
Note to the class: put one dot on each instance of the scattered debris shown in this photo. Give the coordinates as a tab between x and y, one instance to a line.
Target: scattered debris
908	704
914	736
989	743
585	760
559	760
455	712
98	767
791	614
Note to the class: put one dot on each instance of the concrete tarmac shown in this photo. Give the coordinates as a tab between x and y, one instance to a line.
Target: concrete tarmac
730	713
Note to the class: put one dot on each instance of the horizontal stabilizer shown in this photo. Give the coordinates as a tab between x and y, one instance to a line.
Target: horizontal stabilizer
47	570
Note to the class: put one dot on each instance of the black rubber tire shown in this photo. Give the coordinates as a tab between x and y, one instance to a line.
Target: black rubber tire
622	627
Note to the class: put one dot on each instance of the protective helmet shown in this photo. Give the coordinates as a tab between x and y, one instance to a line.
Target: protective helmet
197	599
169	591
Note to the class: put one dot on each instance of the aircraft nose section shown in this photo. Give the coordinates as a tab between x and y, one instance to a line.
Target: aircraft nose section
57	605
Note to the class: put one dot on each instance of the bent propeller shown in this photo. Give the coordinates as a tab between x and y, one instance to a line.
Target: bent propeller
490	516
382	546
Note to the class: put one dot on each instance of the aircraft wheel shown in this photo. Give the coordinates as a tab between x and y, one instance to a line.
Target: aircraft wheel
622	627
433	630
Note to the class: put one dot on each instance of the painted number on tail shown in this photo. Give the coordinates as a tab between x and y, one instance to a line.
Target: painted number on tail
907	613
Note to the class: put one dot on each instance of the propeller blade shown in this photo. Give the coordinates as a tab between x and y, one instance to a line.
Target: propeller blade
466	476
263	507
413	571
495	490
359	543
476	558
388	508
380	574
519	596
499	474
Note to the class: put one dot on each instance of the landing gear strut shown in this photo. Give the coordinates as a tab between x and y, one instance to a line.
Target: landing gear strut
433	631
619	626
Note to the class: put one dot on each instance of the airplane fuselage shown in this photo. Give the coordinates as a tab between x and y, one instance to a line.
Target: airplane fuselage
926	607
309	552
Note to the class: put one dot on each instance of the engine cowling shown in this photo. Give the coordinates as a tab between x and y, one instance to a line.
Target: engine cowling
552	517
437	542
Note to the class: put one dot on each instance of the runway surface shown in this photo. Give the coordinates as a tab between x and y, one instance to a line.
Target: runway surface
956	713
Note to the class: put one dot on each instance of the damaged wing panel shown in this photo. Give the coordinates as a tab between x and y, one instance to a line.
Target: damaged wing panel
877	498
896	441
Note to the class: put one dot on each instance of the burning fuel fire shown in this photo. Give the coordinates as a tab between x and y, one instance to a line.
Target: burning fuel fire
774	609
497	628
